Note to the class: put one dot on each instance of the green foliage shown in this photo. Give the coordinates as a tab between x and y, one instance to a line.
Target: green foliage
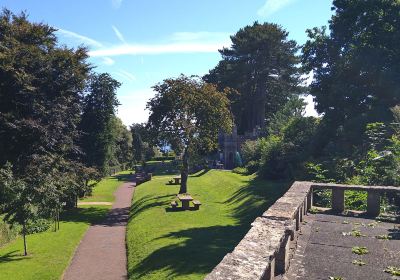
316	173
359	250
240	170
39	225
355	66
283	155
250	150
7	233
393	270
188	114
98	122
262	66
293	109
359	262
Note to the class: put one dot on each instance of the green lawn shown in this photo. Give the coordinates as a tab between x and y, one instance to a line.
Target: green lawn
51	252
187	245
104	190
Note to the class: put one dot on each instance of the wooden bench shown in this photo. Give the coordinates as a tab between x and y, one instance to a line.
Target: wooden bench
171	182
174	204
196	204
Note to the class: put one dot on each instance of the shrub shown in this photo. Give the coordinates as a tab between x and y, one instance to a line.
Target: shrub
7	233
250	151
240	170
39	225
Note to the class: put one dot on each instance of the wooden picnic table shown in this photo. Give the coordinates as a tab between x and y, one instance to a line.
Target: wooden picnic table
185	199
177	180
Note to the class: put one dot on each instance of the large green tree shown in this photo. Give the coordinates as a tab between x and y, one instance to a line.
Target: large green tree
356	66
98	122
188	114
41	88
262	66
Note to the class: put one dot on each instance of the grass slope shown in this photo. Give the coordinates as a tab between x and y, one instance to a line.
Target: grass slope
51	252
104	190
187	245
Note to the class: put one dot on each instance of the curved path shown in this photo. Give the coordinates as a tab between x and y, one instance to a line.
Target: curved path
102	252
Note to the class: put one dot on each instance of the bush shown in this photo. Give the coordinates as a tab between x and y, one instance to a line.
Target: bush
163	158
273	162
7	233
240	170
252	166
250	151
39	225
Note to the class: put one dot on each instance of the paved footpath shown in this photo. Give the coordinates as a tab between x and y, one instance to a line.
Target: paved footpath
102	252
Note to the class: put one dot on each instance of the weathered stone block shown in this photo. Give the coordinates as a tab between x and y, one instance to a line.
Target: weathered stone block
338	200
373	203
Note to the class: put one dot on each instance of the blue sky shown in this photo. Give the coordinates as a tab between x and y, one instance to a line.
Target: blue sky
142	42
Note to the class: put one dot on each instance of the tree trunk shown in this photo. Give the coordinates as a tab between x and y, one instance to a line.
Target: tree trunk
58	219
24	237
184	171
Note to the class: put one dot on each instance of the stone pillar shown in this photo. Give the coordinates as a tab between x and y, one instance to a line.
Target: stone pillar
310	199
298	219
270	272
282	257
301	210
373	203
338	200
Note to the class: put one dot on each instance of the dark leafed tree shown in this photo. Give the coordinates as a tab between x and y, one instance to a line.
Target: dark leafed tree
356	66
188	114
41	89
123	143
97	125
138	144
18	204
263	67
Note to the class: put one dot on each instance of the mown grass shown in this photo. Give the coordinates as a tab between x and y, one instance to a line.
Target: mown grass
49	253
163	244
104	190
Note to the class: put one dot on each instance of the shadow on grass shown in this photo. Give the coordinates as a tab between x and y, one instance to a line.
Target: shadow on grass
123	177
255	198
12	256
147	202
201	173
89	215
203	248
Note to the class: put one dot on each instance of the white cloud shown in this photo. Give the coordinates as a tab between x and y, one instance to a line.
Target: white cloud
80	38
125	75
118	34
132	108
116	3
200	36
108	61
179	42
272	6
158	49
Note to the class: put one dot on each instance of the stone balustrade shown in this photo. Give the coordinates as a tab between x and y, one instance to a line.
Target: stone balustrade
264	251
373	195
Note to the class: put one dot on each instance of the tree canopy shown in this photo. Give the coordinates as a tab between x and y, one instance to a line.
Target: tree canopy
188	114
262	65
356	65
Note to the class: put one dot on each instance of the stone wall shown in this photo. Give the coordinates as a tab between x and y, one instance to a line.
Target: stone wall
264	251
